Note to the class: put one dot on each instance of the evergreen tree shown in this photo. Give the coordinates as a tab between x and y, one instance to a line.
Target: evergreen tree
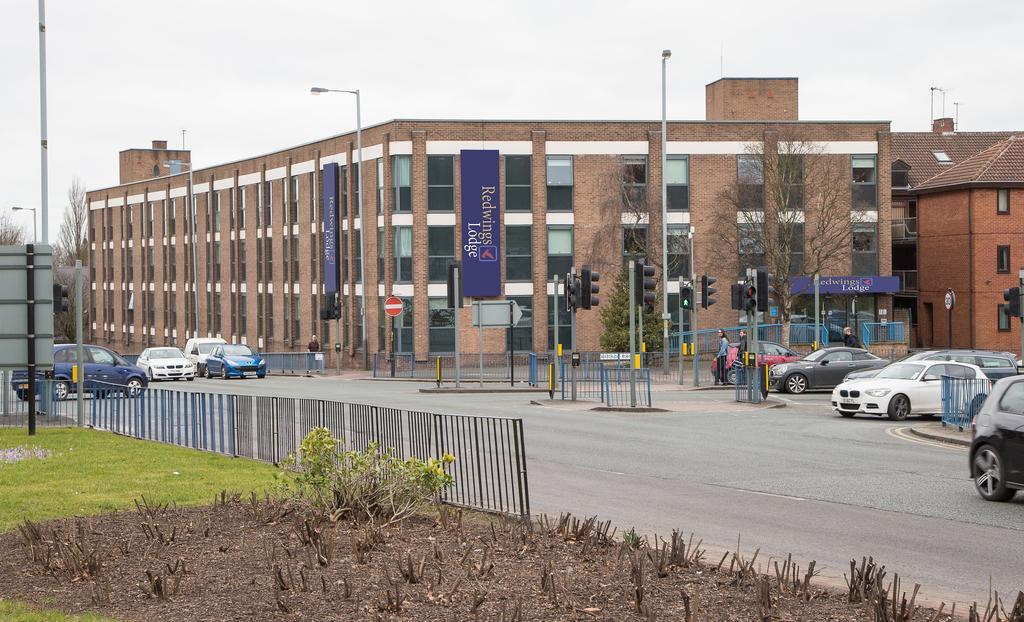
615	317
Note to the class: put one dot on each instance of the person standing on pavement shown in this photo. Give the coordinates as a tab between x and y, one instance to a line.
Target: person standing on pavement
313	345
850	340
721	357
740	362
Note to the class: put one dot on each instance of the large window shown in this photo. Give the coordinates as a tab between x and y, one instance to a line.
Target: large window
268	259
1002	201
677	182
440	251
240	219
401	179
441	183
357	260
171	218
518	253
634	242
403	254
267	202
295	258
241	261
517	183
634	182
559	250
520	338
678	251
404	325
293	199
559	181
865	249
216	262
750	247
295	322
791	171
216	211
791	234
380	185
1003	259
343	180
441	335
750	182
864	195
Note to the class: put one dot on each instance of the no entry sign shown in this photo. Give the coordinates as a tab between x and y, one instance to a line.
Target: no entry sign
393	306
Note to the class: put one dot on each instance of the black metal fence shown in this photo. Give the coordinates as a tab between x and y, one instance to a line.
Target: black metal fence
490	458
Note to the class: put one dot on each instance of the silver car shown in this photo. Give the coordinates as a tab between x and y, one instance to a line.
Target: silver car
166	363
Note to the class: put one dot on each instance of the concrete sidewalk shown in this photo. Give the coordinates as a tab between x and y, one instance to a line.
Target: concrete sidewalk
935	431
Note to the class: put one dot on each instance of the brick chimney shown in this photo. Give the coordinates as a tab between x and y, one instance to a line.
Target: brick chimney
159	144
943	125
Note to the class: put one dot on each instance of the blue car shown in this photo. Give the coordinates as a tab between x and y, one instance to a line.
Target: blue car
235	360
100	364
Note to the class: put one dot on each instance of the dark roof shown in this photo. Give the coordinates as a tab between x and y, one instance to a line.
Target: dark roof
916	149
1002	162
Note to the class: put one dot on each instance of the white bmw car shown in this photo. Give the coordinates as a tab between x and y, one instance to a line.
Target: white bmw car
166	363
901	389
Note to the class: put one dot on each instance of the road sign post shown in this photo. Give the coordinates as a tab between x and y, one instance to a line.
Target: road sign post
393	308
80	355
632	334
950	301
494	314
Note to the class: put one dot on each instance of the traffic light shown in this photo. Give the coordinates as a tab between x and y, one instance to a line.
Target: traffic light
686	297
706	291
1012	298
454	288
589	287
644	285
764	290
749	298
572	292
736	296
60	298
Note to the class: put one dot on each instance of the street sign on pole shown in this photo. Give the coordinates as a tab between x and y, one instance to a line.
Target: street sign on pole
393	306
950	301
497	313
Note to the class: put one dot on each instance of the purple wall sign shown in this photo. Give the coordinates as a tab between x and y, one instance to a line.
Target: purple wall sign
329	207
849	285
481	223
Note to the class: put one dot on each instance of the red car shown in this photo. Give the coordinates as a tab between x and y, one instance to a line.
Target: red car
771	354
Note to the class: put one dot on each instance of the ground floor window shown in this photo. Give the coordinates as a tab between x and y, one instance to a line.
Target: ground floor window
520	338
441	324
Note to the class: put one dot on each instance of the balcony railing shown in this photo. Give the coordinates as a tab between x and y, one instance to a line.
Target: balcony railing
908	280
904	229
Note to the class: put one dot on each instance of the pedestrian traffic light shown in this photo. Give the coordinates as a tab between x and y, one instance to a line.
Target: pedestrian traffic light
60	298
764	289
686	297
1012	298
572	292
589	287
706	291
750	298
454	285
736	296
644	285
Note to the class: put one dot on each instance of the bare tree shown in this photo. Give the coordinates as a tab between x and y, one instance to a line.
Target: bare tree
787	211
72	245
11	233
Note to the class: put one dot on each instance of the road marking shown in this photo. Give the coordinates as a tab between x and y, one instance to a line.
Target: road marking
770	494
903	434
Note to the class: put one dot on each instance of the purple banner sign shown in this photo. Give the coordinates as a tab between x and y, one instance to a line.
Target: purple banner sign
849	285
481	223
329	207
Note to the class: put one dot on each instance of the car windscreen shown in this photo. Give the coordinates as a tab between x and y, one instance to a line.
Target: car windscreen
206	348
237	350
901	371
816	355
166	353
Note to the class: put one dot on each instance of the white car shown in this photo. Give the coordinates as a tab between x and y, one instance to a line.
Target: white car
199	348
166	363
901	389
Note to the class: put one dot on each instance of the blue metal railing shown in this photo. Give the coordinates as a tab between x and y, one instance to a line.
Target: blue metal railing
405	365
962	399
294	362
882	332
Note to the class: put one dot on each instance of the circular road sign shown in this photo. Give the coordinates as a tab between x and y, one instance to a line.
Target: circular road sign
393	306
950	299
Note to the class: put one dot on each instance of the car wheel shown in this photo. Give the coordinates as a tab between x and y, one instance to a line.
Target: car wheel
899	407
208	374
796	383
134	387
149	373
730	377
224	372
61	389
988	473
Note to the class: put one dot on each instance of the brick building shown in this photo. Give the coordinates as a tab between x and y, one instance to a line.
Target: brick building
259	250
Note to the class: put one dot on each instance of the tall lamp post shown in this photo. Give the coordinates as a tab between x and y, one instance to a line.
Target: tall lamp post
665	316
194	240
18	208
316	90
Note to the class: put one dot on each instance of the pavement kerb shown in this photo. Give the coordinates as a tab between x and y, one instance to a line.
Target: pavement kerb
923	431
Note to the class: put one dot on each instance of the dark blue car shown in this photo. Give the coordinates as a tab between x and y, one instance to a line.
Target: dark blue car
235	360
101	365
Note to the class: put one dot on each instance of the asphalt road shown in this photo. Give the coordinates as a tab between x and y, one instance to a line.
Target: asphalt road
797	480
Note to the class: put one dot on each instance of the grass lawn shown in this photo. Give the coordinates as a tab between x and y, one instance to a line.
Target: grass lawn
91	472
13	612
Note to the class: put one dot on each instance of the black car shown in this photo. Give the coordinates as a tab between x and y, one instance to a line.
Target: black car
997	451
994	364
822	369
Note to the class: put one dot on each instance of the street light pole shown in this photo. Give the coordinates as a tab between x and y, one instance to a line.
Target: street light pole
316	90
665	317
43	153
193	241
18	208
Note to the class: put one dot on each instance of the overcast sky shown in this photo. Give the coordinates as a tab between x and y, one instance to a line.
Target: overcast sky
237	74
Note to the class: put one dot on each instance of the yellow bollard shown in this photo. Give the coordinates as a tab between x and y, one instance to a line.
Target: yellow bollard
551	380
636	361
74	374
559	350
438	372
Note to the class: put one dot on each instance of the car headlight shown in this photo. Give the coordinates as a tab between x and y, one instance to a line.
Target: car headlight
262	363
777	370
878	392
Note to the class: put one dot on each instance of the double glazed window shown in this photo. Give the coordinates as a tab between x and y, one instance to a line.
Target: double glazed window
678	251
517	183
864	195
677	182
1003	259
865	249
518	252
401	179
634	182
440	183
1002	201
380	185
293	199
403	254
559	181
440	251
441	332
750	246
791	173
634	242
750	182
559	250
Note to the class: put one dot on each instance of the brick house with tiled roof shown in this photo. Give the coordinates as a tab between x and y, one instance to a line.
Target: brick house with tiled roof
958	223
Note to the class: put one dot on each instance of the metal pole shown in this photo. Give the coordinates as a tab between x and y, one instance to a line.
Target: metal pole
480	330
195	266
752	339
362	226
817	312
632	335
555	340
572	312
512	347
337	332
30	299
43	164
457	276
665	317
80	354
394	346
1020	276
693	313
949	324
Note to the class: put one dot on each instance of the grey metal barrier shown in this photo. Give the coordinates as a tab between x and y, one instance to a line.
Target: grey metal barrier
749	383
55	405
962	399
294	362
490	457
